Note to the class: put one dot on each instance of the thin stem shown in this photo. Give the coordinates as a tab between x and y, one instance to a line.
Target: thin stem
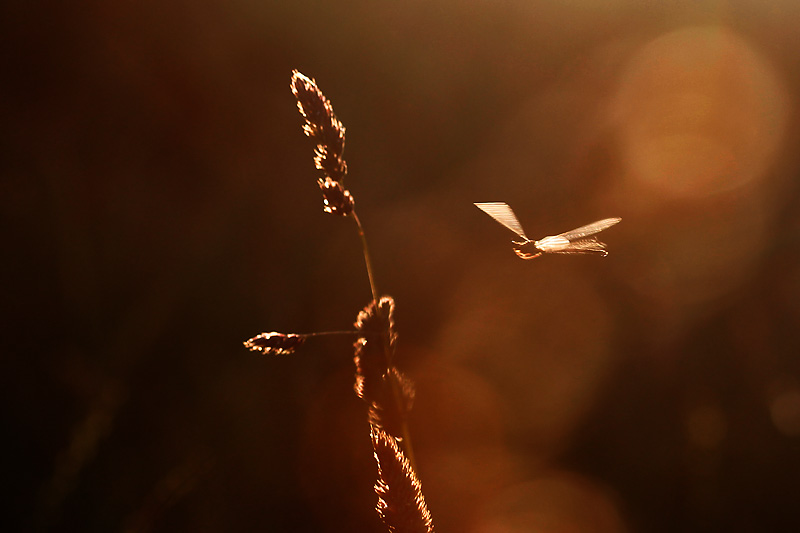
365	249
406	434
324	333
409	449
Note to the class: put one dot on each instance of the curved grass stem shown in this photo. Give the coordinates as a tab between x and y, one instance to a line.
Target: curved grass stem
365	250
396	396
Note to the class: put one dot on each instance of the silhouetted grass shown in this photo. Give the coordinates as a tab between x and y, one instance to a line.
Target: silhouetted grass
389	395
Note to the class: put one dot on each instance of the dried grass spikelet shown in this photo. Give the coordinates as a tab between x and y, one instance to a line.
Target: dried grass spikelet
375	324
337	199
379	318
327	131
401	504
386	410
321	125
389	394
274	343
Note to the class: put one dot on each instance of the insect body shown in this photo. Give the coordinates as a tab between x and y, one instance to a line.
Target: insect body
577	241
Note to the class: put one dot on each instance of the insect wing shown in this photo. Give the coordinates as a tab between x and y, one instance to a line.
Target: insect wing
501	212
589	229
584	246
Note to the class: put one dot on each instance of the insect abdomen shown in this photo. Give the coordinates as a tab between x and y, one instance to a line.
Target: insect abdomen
553	244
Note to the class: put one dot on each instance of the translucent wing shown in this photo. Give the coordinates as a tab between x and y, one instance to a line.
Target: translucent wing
504	215
589	229
584	246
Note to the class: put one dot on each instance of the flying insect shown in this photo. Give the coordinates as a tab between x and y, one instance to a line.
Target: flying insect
577	241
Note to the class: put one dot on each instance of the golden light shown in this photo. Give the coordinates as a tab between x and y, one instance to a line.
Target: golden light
544	343
700	111
556	502
698	120
785	411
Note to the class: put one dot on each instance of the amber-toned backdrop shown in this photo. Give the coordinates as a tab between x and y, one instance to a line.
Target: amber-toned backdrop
159	206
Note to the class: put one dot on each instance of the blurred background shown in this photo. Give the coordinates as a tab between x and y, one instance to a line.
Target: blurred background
159	207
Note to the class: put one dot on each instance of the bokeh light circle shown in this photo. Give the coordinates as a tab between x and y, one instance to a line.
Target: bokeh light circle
556	501
700	112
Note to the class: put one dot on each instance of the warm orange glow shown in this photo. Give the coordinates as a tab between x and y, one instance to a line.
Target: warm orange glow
706	426
700	111
544	344
164	204
785	411
557	502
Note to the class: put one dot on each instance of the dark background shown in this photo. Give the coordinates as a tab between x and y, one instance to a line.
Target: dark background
159	206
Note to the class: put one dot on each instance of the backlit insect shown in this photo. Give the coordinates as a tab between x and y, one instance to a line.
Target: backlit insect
577	241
